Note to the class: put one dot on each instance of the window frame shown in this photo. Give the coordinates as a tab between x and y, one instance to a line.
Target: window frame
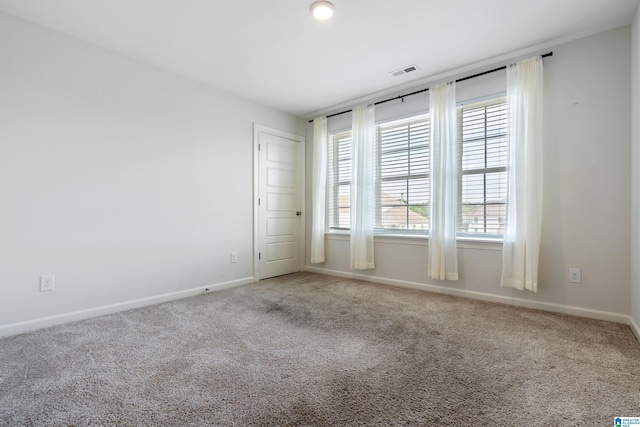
486	102
333	168
333	189
409	121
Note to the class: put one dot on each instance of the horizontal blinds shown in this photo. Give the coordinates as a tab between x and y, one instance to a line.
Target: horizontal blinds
482	129
339	179
403	174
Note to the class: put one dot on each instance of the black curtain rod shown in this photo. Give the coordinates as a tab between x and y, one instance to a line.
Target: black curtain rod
424	90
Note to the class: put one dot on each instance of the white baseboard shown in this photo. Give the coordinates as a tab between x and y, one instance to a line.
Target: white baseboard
520	302
635	328
45	322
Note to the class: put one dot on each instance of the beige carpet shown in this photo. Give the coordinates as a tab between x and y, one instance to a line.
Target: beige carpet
307	349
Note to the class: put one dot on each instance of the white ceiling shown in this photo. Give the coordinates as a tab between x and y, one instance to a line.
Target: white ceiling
275	53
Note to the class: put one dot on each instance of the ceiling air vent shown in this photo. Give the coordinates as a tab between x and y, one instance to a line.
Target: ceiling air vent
404	70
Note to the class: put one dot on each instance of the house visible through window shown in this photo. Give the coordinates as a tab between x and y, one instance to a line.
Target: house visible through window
484	156
402	173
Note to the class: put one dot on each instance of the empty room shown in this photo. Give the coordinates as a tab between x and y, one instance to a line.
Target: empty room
303	212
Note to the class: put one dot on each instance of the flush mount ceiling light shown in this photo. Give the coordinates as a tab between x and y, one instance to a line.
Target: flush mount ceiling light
322	10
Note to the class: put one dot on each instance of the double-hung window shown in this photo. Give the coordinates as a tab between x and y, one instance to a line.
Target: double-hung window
402	173
483	153
339	179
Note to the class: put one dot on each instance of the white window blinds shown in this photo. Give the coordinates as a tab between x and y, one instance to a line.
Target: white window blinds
339	179
483	168
403	171
402	159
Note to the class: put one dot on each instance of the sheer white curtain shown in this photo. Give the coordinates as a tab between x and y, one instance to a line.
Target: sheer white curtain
319	189
524	198
443	257
362	187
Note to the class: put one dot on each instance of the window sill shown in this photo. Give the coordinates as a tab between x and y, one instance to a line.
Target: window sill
422	240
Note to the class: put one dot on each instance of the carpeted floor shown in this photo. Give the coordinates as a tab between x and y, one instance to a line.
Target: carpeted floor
307	349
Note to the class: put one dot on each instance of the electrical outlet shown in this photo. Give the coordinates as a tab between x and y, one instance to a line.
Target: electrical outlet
47	282
575	275
234	256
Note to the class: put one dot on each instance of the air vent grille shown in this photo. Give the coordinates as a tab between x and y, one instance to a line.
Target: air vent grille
404	70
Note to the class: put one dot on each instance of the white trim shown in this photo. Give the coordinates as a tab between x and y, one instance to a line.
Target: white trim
416	240
635	328
256	208
45	322
520	302
257	128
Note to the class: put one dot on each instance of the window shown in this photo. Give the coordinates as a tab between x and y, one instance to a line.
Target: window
484	155
402	168
403	174
402	156
339	179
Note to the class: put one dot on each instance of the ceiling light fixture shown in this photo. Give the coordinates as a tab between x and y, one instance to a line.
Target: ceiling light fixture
322	10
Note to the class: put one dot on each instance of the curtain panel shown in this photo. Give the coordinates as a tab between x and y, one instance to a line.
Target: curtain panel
319	189
362	207
524	196
443	257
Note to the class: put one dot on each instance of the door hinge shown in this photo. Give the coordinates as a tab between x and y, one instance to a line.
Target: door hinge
259	255
258	147
258	202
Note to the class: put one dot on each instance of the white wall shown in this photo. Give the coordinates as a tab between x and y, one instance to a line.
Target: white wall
125	181
586	222
635	148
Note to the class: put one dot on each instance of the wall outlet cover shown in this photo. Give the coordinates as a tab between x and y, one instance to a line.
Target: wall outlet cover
47	282
575	275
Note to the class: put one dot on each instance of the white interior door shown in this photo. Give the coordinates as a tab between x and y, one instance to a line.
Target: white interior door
280	218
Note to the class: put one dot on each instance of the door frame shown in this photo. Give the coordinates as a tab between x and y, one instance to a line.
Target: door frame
257	128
